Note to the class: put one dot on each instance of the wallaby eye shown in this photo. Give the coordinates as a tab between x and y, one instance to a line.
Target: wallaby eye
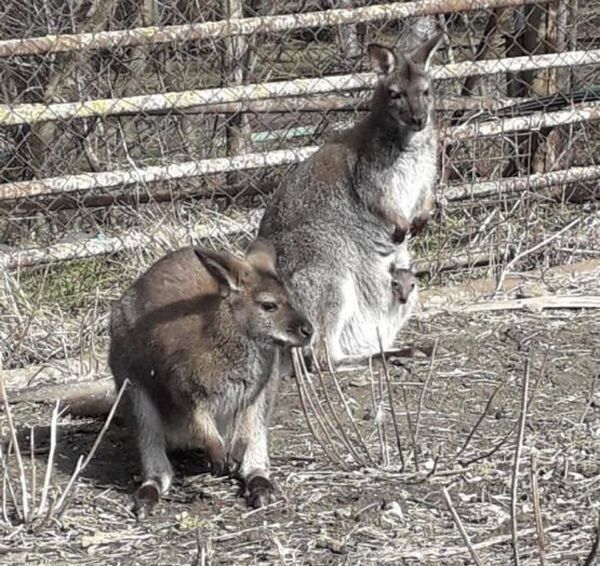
426	92
269	306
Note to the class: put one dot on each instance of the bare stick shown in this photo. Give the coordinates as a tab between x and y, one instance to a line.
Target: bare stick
589	399
7	484
381	417
386	372
303	403
59	508
313	405
421	401
33	468
539	528
63	502
515	473
543	243
50	462
4	487
461	527
591	557
15	443
346	407
491	452
410	426
479	421
377	423
341	429
312	394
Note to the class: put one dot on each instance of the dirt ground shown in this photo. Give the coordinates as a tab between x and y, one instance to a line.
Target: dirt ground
323	514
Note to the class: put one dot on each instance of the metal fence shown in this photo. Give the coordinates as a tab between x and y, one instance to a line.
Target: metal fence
131	127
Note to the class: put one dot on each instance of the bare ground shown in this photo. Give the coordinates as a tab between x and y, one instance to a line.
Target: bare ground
323	514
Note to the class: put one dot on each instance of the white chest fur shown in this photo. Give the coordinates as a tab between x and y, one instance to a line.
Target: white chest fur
411	176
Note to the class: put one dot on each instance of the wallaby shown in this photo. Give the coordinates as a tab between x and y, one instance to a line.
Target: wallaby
338	222
404	282
201	336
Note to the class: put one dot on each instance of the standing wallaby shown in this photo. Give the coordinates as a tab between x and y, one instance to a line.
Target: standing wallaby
338	222
201	336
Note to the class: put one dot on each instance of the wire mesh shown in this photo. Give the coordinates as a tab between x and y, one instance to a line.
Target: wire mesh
129	128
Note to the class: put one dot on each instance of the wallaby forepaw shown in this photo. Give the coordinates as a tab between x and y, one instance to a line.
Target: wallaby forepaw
399	234
259	491
145	500
418	225
218	468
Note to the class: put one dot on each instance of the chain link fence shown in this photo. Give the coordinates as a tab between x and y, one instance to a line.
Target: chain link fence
130	128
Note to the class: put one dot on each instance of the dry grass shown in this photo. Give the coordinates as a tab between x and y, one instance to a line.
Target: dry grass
468	404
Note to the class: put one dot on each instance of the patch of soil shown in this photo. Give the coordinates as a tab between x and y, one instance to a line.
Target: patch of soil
379	514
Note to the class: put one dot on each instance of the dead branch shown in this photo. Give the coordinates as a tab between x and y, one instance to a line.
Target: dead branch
537	511
478	422
515	472
591	557
386	373
65	498
334	376
461	528
50	462
340	427
422	399
311	393
13	438
334	457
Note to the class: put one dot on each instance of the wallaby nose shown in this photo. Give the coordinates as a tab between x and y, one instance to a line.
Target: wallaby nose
419	121
306	330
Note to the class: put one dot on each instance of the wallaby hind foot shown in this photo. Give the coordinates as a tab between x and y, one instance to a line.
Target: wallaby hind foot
258	491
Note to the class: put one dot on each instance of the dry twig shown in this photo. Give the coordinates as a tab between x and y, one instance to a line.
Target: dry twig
539	528
346	407
13	437
50	462
478	422
81	466
421	401
386	373
341	429
335	457
461	528
591	557
515	472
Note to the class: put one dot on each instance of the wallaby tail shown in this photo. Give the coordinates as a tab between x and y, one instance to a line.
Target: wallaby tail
82	399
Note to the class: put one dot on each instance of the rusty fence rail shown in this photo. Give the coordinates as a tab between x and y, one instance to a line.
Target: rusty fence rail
129	128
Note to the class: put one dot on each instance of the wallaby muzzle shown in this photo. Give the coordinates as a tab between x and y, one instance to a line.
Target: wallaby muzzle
300	332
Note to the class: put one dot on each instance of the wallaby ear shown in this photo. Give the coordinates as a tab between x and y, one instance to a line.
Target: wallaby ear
423	54
383	59
261	255
224	268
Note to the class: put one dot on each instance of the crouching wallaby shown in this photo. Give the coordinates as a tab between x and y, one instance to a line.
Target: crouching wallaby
201	336
339	221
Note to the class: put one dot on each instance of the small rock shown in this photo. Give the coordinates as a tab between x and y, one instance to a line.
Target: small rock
335	546
393	509
359	381
343	513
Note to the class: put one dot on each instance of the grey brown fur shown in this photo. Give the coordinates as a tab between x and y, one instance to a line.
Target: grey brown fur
404	282
200	336
338	223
